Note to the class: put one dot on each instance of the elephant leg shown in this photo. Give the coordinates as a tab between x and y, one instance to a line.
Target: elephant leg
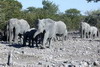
24	41
97	34
62	38
33	42
93	36
16	39
45	39
57	38
29	42
21	40
83	33
89	34
36	41
80	33
49	40
8	36
86	35
11	37
65	37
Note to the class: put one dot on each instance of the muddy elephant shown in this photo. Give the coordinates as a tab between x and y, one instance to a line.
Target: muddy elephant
14	28
28	37
49	26
84	29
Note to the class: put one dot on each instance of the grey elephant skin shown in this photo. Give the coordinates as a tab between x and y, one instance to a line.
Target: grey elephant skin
14	28
51	28
61	30
84	30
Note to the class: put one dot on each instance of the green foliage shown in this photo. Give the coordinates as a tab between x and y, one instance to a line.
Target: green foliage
74	17
72	12
49	7
93	0
13	9
93	18
9	9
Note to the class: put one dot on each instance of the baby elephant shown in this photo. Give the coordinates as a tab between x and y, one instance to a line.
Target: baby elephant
28	36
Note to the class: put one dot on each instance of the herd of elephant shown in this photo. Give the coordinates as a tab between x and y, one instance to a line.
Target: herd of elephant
88	31
46	31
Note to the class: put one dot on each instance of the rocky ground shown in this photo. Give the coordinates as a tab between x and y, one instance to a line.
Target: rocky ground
73	51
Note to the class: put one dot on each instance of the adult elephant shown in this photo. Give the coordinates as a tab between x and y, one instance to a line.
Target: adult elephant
49	26
84	29
16	27
94	32
61	30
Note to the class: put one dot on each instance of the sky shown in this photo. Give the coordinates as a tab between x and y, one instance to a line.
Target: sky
63	5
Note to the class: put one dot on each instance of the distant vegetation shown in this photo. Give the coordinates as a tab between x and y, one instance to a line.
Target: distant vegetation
72	17
93	0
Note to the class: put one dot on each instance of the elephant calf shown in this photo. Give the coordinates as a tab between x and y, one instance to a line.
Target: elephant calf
3	36
28	36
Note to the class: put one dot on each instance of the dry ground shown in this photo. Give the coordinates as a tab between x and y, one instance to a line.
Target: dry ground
73	50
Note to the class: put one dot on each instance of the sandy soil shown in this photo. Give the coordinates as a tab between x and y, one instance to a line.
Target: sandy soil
73	50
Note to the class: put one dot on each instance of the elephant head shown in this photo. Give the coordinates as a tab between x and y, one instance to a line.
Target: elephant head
40	27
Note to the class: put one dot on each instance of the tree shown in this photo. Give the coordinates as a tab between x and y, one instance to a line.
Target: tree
93	0
11	8
31	9
93	18
74	17
72	12
2	19
49	7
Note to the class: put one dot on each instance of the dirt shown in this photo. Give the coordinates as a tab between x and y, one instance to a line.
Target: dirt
73	51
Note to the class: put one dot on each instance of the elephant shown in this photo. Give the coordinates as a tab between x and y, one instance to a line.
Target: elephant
49	26
28	36
84	29
94	32
61	30
52	28
1	35
14	28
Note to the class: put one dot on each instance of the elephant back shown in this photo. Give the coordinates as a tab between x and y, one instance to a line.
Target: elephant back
94	29
13	23
85	26
60	27
24	26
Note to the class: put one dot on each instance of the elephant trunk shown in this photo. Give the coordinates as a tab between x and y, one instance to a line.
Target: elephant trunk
36	33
